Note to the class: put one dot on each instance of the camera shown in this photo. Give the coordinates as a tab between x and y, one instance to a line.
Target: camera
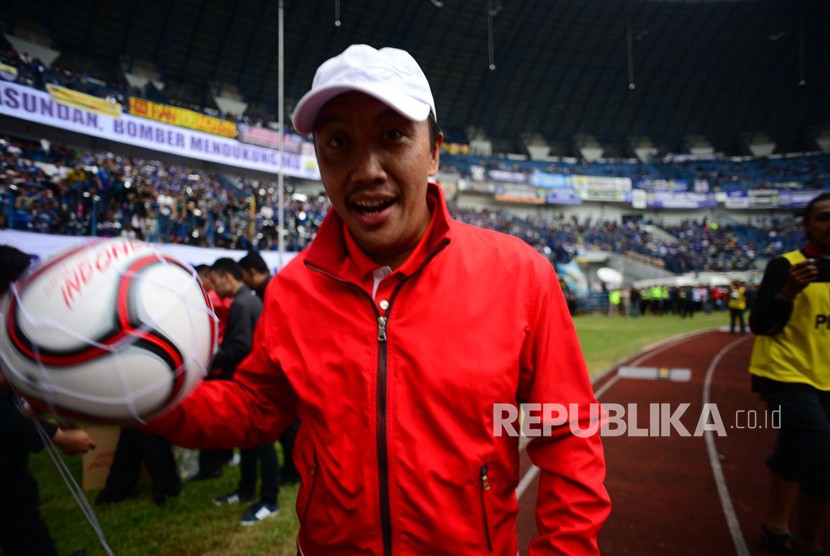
823	265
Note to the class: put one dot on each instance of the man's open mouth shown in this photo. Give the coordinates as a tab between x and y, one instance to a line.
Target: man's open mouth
372	206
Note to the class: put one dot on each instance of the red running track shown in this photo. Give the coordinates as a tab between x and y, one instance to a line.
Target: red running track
677	494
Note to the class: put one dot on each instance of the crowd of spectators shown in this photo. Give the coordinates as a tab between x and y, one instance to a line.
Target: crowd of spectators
721	174
54	189
809	171
699	245
32	72
49	188
58	190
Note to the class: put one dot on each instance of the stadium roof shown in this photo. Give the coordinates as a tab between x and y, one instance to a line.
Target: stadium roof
613	69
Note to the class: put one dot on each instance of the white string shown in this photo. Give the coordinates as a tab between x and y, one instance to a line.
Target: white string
76	491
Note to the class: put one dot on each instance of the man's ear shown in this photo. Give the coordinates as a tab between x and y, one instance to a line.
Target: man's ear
436	155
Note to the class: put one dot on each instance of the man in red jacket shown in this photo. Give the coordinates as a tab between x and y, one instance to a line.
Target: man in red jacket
395	338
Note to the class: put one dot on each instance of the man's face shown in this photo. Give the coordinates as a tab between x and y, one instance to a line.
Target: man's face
375	165
817	224
207	282
249	278
221	283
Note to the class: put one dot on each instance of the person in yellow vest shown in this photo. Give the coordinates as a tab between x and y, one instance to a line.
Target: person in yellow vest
736	303
614	302
656	304
648	301
790	367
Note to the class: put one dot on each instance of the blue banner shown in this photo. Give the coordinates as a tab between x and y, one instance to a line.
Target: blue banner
541	179
684	199
563	197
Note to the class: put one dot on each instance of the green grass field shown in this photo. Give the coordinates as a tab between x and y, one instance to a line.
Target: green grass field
607	340
192	525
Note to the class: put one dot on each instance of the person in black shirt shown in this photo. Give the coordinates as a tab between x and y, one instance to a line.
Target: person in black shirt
255	273
134	447
22	530
246	308
257	276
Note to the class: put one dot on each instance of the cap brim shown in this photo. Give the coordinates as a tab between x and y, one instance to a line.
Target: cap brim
305	114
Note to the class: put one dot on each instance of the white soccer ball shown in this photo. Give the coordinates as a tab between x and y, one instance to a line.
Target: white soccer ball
114	331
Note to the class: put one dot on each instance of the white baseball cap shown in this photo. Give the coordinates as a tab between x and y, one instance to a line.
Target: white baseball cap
390	75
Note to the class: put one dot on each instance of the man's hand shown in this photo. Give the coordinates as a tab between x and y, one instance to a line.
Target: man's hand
799	277
73	441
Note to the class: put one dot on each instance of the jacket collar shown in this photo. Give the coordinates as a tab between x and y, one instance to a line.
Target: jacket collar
328	251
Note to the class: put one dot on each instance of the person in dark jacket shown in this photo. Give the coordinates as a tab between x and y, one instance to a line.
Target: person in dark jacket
22	530
226	276
211	462
255	273
257	276
134	447
226	280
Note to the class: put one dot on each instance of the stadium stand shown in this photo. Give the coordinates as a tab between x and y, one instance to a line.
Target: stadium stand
52	188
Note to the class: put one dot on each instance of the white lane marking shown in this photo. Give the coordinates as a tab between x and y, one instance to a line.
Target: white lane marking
533	470
714	461
526	481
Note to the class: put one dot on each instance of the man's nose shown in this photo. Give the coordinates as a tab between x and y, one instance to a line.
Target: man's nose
368	166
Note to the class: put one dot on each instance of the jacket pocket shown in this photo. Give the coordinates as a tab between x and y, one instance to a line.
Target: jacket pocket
485	494
314	472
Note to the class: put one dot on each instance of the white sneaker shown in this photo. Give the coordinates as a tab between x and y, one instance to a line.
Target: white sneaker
259	512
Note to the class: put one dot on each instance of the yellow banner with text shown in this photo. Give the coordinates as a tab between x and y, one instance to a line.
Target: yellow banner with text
181	117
